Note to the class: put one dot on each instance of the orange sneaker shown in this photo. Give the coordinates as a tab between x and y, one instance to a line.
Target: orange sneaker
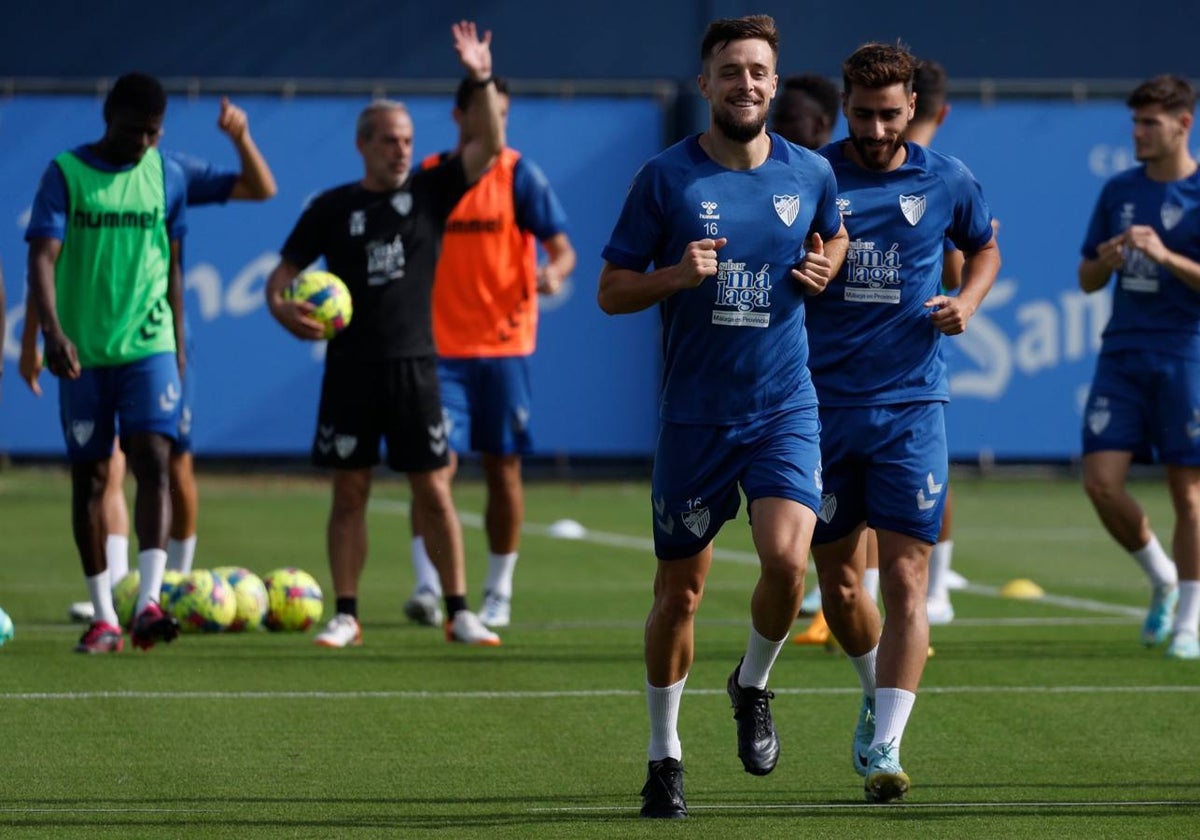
816	634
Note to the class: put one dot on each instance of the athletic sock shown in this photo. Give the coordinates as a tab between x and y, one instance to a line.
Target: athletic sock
181	553
663	704
500	574
939	564
116	552
152	562
1187	611
423	569
1156	564
454	605
892	708
100	591
870	583
760	656
347	606
864	666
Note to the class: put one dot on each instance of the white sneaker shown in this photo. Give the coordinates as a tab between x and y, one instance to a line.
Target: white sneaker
424	607
939	610
341	631
954	580
466	627
496	610
82	612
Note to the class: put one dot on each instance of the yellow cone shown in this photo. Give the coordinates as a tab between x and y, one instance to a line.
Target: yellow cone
1022	588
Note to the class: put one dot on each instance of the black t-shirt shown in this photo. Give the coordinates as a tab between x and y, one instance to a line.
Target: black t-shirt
384	246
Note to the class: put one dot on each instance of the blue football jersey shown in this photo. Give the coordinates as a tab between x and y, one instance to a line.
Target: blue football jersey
1152	308
871	338
734	347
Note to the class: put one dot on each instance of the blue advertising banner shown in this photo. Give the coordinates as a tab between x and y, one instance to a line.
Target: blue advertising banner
1019	376
594	377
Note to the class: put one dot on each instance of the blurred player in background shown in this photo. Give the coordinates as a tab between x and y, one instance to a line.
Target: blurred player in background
106	283
1145	231
876	363
381	235
206	184
485	311
728	232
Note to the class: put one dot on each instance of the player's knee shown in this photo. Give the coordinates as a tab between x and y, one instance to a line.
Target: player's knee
1101	489
677	603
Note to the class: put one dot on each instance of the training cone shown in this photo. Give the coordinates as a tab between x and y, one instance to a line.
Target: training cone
1022	588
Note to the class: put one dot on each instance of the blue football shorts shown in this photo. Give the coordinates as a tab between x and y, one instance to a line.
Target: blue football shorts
1146	403
142	396
886	466
697	470
488	404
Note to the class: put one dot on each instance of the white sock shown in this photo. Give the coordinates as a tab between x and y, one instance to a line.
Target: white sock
152	562
664	720
939	564
500	574
100	591
871	583
116	551
1187	611
760	656
892	708
423	569
1156	564
181	553
865	667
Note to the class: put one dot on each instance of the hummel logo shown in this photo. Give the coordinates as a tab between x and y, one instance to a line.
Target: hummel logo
923	502
170	399
663	520
709	210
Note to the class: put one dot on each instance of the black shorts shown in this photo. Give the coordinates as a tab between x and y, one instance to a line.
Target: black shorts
394	399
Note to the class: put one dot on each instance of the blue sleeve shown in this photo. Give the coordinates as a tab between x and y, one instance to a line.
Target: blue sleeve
206	183
828	220
48	217
635	238
971	227
537	207
176	195
1098	229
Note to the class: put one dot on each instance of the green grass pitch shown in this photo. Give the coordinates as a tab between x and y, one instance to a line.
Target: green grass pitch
1036	718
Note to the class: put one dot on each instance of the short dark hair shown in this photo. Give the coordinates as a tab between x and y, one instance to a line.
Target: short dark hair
1173	93
721	32
874	66
929	84
138	92
819	89
462	96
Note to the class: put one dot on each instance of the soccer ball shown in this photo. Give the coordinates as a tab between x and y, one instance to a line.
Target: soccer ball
294	600
249	594
329	296
128	588
6	627
202	603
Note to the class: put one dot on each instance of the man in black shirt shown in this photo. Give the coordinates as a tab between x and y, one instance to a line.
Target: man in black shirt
382	235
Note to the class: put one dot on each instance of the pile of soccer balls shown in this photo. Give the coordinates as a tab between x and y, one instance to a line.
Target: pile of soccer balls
230	598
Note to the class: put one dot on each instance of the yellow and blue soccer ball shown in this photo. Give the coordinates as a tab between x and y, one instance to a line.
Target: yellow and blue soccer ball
294	600
202	603
6	627
331	301
125	594
249	595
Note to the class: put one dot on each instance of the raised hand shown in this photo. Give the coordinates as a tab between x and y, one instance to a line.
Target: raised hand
816	269
699	261
474	53
232	120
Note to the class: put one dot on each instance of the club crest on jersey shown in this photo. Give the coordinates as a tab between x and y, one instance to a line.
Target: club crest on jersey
787	207
697	520
402	202
344	445
1171	215
1099	416
708	210
82	430
913	207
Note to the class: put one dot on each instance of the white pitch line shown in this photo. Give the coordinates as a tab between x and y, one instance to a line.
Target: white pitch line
889	808
747	558
113	810
572	695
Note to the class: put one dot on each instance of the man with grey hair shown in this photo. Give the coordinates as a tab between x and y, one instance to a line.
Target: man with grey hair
382	235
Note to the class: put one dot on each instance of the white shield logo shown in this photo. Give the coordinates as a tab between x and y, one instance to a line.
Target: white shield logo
402	202
1098	420
344	444
828	507
697	520
913	207
82	430
1171	215
786	208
